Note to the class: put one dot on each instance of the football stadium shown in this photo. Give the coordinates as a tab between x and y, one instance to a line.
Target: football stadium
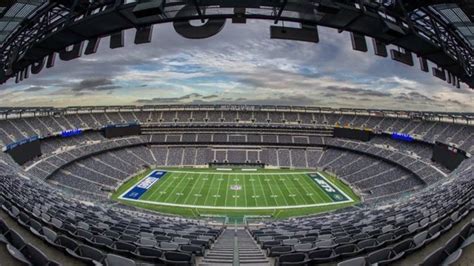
301	132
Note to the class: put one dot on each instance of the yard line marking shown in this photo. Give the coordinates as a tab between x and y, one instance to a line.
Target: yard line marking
211	187
297	186
190	192
220	179
235	196
226	189
280	189
271	191
238	208
309	189
263	191
253	190
177	186
200	190
244	189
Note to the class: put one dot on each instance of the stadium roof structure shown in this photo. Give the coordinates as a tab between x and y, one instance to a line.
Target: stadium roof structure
465	118
437	31
13	13
455	16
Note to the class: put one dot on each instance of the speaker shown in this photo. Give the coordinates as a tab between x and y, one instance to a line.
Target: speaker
36	67
453	81
51	60
358	42
307	33
449	76
239	16
92	46
402	57
143	34
423	64
149	8
439	73
117	40
2	75
26	72
380	48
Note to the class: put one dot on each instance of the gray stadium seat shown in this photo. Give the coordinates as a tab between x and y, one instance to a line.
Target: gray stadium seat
383	256
303	247
87	254
65	243
177	258
115	260
435	258
322	256
36	228
359	261
196	250
49	235
102	242
368	245
123	248
292	259
276	251
148	254
346	251
36	257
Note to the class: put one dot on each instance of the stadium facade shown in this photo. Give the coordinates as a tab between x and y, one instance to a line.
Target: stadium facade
86	153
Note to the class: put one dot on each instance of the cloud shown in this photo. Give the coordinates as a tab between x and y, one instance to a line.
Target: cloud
96	84
171	100
213	96
34	89
240	65
415	96
357	91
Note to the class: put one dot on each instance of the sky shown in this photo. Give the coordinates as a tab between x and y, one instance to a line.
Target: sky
240	65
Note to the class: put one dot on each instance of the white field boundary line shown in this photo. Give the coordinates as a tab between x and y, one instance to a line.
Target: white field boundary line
336	187
234	173
234	208
238	208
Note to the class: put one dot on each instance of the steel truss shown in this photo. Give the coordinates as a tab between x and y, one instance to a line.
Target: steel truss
64	23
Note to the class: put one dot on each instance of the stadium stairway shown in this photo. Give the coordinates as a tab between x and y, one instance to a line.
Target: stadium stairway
235	244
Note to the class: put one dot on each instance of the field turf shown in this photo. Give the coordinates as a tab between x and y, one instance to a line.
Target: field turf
236	193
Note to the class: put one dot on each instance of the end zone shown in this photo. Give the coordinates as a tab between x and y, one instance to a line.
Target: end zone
136	191
336	194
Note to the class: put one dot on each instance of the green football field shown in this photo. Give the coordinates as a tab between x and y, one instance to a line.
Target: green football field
236	193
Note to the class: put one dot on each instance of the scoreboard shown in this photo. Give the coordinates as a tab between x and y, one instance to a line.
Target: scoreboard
115	131
352	133
24	150
448	156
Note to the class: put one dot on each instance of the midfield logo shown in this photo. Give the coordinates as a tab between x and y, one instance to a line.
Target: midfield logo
236	187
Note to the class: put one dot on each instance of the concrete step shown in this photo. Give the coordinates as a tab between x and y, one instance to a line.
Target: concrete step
251	256
218	261
219	256
222	252
253	261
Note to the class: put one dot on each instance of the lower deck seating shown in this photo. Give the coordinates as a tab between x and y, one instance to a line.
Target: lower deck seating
377	234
